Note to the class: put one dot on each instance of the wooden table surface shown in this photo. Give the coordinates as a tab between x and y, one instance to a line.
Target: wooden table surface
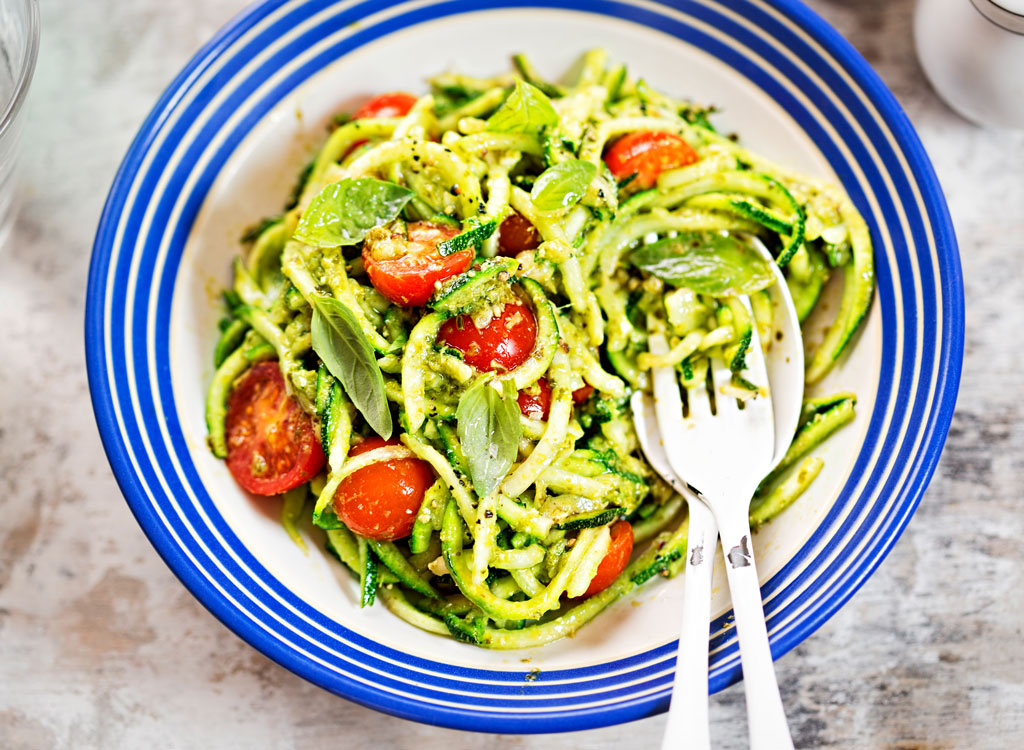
101	647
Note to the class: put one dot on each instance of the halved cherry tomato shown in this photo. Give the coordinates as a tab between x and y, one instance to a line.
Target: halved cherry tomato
517	234
580	395
503	344
380	501
536	405
407	270
272	446
615	559
391	104
647	154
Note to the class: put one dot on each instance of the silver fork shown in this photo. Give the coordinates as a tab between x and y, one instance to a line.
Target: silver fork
688	714
723	456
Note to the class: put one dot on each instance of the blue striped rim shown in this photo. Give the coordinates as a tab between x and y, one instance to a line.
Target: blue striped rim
236	591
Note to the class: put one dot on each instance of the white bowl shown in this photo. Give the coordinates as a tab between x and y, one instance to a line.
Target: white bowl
223	147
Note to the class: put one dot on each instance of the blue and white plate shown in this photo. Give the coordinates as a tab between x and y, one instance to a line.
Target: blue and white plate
222	148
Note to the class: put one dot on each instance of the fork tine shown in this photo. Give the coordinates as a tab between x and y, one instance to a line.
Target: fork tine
666	387
757	411
651	440
699	402
721	376
668	404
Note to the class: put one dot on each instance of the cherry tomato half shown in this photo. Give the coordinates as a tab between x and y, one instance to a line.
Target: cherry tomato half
380	501
517	234
391	104
580	395
536	405
407	270
647	154
503	344
272	446
615	559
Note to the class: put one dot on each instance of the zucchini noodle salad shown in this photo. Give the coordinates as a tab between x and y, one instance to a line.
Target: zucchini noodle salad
431	350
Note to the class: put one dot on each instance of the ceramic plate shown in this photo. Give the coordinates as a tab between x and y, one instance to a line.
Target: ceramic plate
222	148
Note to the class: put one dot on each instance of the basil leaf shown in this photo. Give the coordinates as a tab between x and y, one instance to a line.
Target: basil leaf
526	110
489	431
707	263
562	185
342	346
343	212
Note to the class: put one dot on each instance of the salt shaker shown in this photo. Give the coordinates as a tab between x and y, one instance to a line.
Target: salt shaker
973	53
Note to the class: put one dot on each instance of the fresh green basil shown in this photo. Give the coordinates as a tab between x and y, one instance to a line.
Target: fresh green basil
489	431
562	185
342	346
526	110
343	212
708	263
473	235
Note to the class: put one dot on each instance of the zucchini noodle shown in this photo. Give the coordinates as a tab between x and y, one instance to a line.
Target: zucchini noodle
613	243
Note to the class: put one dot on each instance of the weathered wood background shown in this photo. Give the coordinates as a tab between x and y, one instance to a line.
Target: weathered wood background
101	647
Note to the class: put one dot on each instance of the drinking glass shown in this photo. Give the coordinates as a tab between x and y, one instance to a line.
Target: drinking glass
19	43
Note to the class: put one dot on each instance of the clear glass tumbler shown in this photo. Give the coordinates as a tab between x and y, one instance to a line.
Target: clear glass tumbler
19	43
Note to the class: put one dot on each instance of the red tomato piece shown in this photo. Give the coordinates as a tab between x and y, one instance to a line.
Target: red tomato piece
517	234
647	154
615	560
580	395
272	446
391	104
406	271
536	405
380	501
503	344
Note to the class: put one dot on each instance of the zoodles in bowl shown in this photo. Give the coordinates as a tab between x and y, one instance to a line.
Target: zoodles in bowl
434	345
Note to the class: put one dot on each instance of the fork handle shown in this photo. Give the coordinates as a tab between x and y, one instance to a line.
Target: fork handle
766	719
688	714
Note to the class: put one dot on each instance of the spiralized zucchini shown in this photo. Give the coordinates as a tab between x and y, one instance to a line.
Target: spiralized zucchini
612	262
